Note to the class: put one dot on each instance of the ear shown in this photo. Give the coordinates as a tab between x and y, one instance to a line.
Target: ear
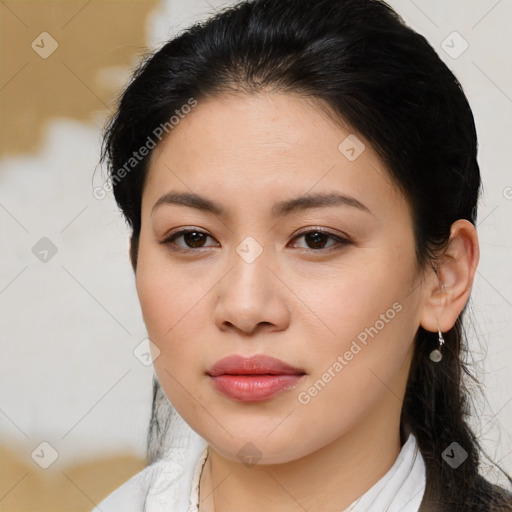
448	289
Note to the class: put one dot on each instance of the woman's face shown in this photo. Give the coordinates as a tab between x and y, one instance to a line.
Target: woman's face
329	287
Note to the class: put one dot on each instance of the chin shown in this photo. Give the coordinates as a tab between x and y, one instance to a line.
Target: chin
260	448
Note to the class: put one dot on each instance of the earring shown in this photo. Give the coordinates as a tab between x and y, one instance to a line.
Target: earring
436	355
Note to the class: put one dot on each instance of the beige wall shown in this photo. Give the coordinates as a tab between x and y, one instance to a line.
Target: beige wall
97	42
73	81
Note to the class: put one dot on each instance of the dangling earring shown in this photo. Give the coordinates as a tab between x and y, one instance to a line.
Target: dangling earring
436	355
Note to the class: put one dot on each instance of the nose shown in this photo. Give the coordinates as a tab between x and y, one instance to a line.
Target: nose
252	296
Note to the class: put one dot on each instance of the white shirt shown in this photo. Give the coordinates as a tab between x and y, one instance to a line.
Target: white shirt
172	483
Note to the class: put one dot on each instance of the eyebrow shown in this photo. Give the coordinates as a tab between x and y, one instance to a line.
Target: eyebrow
281	208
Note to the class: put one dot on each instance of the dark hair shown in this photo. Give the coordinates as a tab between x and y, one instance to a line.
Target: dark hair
385	82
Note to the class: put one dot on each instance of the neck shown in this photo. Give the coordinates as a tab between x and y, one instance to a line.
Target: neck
327	480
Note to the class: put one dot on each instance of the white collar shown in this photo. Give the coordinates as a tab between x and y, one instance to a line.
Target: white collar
401	489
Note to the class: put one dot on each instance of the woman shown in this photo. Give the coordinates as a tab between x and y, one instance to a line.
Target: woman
301	182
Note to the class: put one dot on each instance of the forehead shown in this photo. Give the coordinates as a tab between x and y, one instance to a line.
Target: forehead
272	144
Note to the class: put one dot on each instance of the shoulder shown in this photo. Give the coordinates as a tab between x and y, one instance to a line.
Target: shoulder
130	496
164	483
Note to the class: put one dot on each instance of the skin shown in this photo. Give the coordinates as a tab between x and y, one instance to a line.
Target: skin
301	306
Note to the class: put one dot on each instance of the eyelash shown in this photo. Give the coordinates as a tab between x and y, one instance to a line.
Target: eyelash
169	240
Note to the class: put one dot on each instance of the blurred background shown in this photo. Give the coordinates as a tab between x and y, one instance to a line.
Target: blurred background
75	383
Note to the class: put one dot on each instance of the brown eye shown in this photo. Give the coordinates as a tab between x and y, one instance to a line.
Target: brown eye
192	238
316	239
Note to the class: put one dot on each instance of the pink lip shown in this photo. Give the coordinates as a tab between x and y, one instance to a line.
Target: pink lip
253	379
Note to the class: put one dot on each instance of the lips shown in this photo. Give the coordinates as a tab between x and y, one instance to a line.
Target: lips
253	379
259	364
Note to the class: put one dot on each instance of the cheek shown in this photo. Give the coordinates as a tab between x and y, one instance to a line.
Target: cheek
169	309
367	317
156	301
361	365
344	303
172	305
164	293
171	320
